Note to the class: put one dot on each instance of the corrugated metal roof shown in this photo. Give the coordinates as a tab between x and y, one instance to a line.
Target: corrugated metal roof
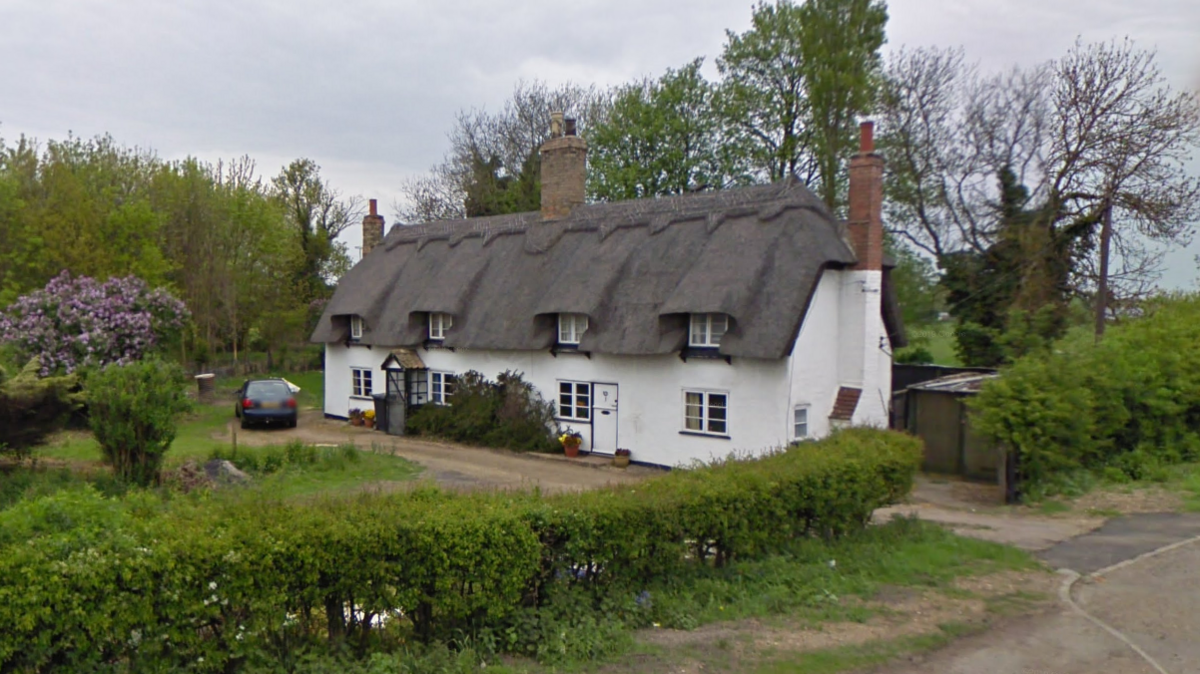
970	382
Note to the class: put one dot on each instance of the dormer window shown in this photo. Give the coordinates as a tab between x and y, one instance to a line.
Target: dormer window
356	327
707	329
571	328
438	325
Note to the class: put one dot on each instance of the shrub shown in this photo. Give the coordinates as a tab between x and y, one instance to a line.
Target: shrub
32	407
134	412
1130	403
237	583
508	413
73	323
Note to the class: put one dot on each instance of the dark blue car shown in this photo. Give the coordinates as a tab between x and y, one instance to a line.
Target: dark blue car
266	401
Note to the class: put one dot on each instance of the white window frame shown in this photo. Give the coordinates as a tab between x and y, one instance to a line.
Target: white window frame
701	332
796	423
705	419
439	323
437	386
575	399
362	381
571	328
356	327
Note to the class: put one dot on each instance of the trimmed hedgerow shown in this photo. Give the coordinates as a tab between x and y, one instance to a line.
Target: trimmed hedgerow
91	583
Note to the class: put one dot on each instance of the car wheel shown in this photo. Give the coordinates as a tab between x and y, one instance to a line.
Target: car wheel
245	424
292	423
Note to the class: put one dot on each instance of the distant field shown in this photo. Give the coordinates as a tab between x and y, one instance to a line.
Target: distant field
938	338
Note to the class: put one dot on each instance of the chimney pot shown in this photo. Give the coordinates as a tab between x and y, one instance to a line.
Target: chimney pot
373	211
563	169
570	126
866	137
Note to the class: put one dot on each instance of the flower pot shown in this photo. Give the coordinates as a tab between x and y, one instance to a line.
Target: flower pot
356	422
369	423
571	450
621	460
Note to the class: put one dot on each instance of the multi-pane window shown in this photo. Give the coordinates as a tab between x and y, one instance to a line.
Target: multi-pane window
356	327
441	387
438	325
575	400
418	387
800	423
706	412
707	329
571	328
360	386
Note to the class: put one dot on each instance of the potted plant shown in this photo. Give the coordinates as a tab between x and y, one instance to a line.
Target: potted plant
621	458
369	418
571	439
356	417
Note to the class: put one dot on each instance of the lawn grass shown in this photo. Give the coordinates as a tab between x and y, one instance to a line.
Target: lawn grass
326	470
810	581
193	441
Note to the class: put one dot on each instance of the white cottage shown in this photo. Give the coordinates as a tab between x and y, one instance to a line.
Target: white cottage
680	328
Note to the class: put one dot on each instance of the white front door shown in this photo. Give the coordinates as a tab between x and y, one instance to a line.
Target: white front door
604	418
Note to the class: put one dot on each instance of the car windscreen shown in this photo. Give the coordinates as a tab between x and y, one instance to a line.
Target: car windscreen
268	390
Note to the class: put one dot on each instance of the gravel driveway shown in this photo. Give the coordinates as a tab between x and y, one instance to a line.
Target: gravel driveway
452	466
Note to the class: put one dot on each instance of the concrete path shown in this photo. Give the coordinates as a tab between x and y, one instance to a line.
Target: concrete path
1140	616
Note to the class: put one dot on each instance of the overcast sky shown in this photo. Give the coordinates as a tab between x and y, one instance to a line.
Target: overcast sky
369	88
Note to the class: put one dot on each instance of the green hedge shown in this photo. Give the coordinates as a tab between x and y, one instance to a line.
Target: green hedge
1127	406
89	583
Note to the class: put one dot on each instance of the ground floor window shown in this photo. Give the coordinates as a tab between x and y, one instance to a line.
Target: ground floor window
418	387
441	387
575	400
706	412
800	422
360	378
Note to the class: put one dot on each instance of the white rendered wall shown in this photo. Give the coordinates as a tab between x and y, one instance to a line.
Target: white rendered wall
876	377
762	394
650	408
816	363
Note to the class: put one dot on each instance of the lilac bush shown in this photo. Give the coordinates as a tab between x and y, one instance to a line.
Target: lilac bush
72	323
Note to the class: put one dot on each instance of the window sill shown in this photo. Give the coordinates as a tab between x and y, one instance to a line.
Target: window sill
700	434
704	353
569	420
354	397
568	349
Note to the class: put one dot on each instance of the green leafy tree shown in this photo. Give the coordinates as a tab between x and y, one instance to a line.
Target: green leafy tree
134	413
795	83
661	137
318	214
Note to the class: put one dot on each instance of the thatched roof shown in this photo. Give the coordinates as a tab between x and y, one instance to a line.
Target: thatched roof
636	268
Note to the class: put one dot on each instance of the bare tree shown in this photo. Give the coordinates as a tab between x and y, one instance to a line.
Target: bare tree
1097	136
506	141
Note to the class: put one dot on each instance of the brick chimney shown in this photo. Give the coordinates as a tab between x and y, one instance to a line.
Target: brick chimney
864	223
372	232
564	169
